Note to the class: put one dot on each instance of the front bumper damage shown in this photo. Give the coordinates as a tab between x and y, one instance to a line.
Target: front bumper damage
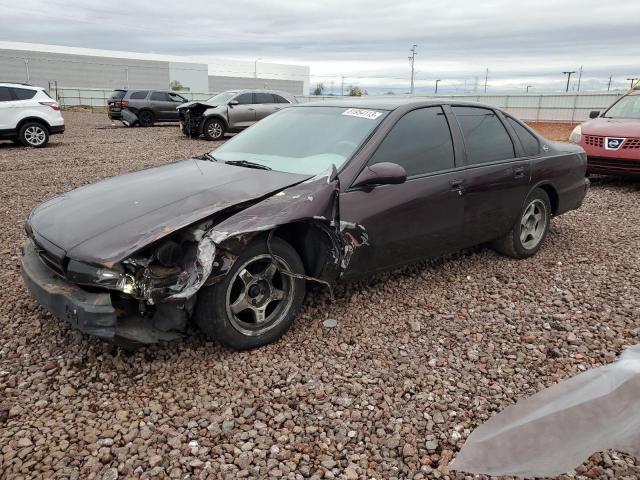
93	313
151	302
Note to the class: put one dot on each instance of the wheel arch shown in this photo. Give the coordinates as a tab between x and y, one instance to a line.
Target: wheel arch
552	192
312	239
212	116
34	119
146	109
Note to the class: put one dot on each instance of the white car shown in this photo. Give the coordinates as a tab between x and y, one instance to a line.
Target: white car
28	115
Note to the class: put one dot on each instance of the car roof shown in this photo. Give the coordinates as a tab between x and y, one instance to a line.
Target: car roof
259	90
20	85
391	103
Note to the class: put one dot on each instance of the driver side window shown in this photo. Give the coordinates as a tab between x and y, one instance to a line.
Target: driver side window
420	142
244	99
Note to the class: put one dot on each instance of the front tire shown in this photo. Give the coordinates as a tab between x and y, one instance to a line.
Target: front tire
255	303
213	129
526	237
34	135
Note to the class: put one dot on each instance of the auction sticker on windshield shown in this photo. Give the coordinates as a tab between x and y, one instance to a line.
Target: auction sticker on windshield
359	112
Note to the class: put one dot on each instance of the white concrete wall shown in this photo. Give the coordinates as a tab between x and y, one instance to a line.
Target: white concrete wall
193	76
215	66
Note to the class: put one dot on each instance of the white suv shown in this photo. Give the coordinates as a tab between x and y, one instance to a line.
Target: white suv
28	115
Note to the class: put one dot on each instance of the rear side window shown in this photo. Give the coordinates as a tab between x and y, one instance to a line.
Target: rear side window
159	97
280	99
261	97
118	94
420	142
23	93
245	99
174	97
139	95
5	94
529	142
485	138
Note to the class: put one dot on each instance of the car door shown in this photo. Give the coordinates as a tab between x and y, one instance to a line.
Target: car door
265	105
162	105
175	101
6	104
420	217
497	176
243	114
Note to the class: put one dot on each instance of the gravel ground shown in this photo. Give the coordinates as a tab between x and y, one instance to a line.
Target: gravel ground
418	359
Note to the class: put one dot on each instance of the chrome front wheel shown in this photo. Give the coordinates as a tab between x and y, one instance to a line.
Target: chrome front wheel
257	301
259	295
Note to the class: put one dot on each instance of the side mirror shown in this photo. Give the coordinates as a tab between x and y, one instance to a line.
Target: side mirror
384	173
233	103
594	114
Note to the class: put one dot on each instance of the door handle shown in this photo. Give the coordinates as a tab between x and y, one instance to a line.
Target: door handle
456	185
251	109
518	172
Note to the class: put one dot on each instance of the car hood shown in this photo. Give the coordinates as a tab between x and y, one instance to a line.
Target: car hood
612	127
105	222
193	103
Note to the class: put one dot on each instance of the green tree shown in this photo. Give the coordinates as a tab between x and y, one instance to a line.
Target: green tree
355	91
319	89
176	86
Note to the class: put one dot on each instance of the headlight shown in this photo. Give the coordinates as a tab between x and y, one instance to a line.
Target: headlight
576	135
111	278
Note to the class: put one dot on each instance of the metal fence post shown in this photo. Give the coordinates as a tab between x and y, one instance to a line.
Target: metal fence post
575	104
539	108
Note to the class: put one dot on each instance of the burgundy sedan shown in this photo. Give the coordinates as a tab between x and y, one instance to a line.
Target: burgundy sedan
312	194
612	140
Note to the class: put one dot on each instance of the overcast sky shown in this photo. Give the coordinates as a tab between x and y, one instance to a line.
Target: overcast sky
368	41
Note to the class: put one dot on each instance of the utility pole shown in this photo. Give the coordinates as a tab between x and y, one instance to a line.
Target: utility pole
579	78
609	86
342	88
528	87
412	60
486	78
255	67
632	80
437	81
26	65
568	78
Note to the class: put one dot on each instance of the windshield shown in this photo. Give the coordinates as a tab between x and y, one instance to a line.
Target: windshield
223	97
305	140
626	107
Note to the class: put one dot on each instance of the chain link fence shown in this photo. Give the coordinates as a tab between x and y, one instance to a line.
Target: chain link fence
546	107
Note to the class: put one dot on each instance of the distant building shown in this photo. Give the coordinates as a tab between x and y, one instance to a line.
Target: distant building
72	67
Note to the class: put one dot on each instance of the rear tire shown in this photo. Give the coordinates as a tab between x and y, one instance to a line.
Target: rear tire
213	129
254	304
35	135
146	118
526	237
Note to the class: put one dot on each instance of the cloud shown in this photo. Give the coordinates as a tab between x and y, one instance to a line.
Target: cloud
515	40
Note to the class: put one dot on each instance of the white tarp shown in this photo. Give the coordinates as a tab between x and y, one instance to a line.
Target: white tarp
558	428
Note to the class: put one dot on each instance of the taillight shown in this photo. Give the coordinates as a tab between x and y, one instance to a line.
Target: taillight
53	105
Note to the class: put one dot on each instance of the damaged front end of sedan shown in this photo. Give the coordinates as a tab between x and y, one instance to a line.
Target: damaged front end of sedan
150	295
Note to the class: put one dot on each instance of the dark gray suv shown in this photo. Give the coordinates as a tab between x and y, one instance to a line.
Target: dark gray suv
144	107
230	111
